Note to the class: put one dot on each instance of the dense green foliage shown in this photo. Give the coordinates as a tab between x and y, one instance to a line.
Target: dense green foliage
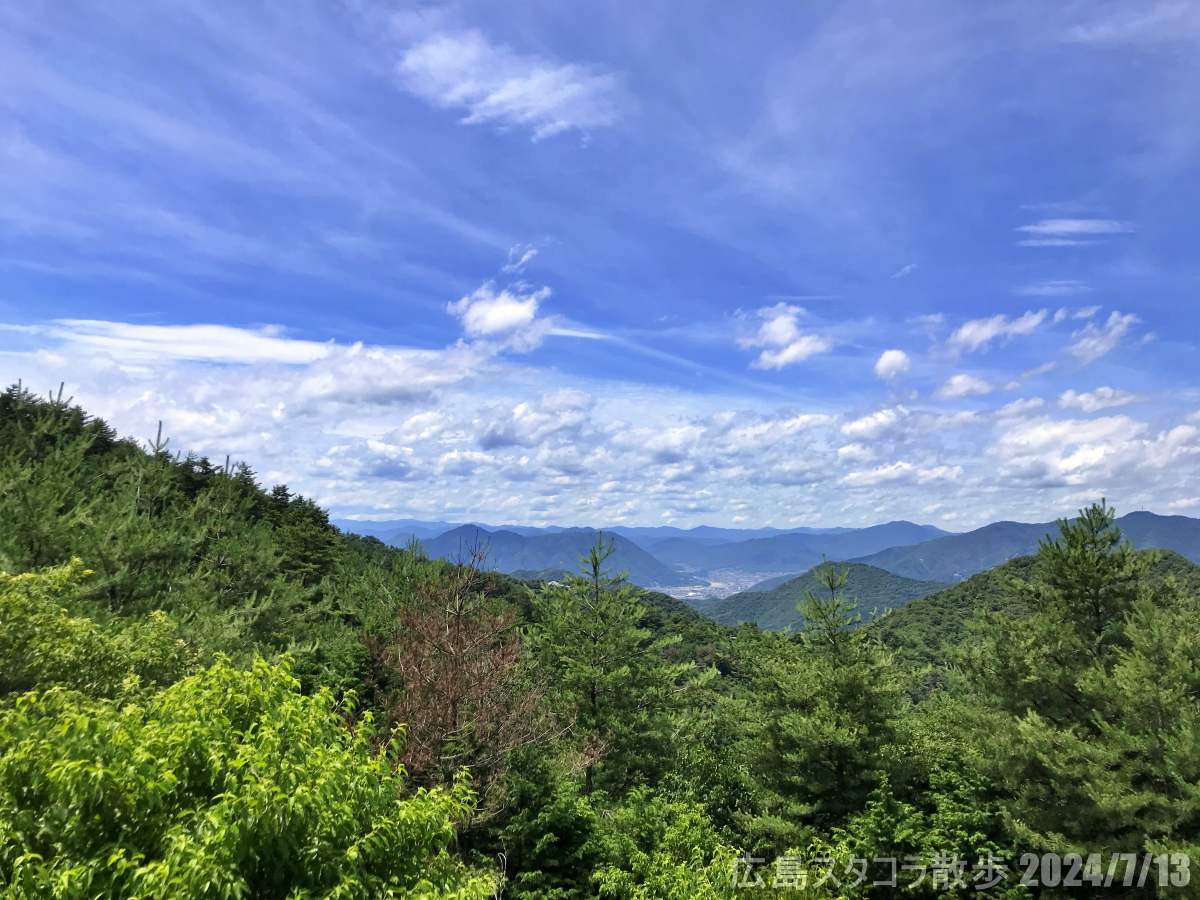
228	783
776	608
610	674
929	630
207	690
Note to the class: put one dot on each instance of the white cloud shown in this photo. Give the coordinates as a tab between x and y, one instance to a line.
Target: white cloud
487	312
1053	288
528	423
1068	228
780	334
493	84
939	473
1083	312
766	432
897	471
1039	370
519	256
421	426
978	333
213	343
1094	401
1184	503
1093	341
901	472
1053	242
963	385
876	423
1091	452
905	271
462	462
467	431
855	453
1020	407
1046	434
892	363
797	351
1162	21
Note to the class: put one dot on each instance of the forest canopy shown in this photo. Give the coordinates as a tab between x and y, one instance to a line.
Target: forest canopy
208	690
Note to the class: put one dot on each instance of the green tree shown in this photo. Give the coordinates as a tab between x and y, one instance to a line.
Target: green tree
659	848
609	672
1095	726
829	703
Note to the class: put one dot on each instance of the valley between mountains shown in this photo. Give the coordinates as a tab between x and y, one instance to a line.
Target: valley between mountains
758	575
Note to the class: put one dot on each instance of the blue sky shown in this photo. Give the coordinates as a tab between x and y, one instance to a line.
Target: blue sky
641	263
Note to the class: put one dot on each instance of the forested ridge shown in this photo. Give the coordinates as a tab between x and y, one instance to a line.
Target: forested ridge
775	607
207	690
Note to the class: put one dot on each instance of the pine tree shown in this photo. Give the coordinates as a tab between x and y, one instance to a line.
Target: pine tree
608	671
829	702
1096	727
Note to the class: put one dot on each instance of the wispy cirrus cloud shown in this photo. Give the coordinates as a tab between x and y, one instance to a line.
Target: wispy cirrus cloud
1157	21
978	333
493	84
1065	227
1070	232
1060	287
202	343
519	256
1094	340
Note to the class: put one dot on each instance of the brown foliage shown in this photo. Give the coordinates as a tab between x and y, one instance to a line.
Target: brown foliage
452	674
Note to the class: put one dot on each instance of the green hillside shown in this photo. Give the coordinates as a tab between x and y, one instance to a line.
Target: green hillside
927	630
959	556
871	590
769	584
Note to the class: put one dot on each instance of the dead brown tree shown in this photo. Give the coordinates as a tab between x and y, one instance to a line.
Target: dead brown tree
452	675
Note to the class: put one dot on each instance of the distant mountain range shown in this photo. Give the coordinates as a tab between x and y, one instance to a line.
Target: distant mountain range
869	589
549	554
666	557
958	556
400	531
793	551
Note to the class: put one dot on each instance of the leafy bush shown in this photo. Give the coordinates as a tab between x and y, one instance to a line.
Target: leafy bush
42	645
229	783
